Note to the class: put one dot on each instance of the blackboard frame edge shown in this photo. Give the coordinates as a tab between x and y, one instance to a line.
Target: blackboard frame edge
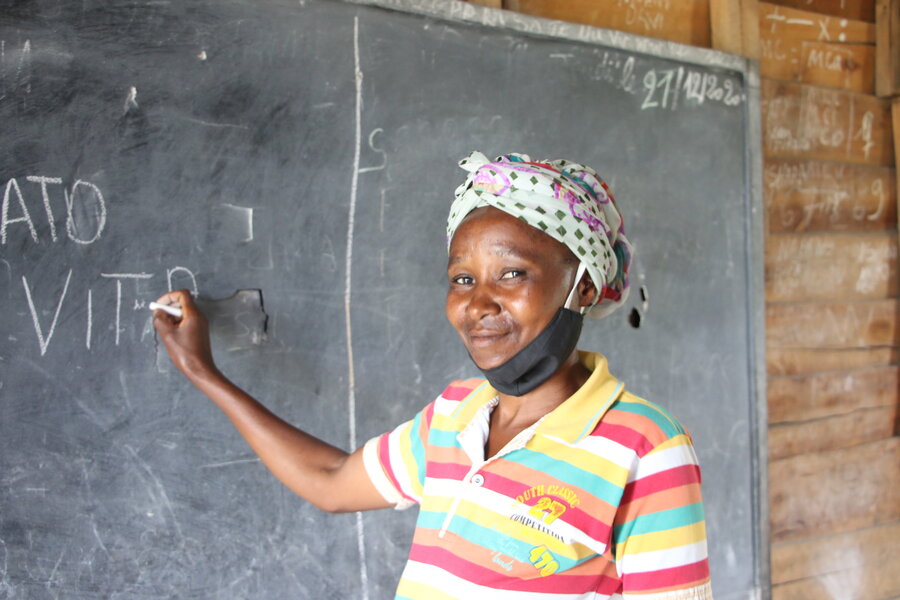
465	12
757	376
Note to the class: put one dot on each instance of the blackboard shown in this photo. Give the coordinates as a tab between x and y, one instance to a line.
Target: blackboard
308	149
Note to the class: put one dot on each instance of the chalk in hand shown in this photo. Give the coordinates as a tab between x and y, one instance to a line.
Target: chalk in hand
172	310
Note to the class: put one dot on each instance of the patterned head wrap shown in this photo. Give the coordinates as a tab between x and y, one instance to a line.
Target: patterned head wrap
567	201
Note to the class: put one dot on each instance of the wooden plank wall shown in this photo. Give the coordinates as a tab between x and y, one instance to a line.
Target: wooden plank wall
830	188
830	125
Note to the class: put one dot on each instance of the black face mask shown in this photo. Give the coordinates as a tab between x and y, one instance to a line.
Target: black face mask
535	363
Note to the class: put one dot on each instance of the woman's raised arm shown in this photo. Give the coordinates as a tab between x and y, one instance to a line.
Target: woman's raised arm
322	474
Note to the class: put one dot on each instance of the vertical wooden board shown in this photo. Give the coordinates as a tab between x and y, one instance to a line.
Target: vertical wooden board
833	324
807	397
750	28
792	561
895	121
830	492
684	21
846	66
791	23
726	30
832	433
822	266
808	195
861	10
887	57
863	579
804	121
799	361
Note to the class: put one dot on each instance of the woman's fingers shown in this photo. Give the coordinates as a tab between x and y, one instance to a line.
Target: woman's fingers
181	299
185	338
164	320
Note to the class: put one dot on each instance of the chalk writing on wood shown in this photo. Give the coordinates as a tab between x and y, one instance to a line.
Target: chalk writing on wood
827	266
813	122
784	22
847	66
858	10
807	195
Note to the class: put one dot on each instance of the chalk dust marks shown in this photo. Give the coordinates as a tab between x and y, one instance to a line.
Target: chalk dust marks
130	100
235	221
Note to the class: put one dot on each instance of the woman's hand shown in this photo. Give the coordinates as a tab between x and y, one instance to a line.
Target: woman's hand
186	339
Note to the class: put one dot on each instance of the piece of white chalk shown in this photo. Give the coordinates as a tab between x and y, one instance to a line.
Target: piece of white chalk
172	310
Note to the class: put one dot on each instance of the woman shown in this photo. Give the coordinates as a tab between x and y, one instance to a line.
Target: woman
547	479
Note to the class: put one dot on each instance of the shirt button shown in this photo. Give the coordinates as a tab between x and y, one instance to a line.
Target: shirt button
478	479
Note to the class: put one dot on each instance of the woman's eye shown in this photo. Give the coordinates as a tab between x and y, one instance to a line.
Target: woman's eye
512	274
462	280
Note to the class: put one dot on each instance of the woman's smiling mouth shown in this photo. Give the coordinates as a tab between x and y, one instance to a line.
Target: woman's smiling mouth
486	337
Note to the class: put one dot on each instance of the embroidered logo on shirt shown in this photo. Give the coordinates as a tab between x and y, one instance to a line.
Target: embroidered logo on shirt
547	509
506	564
563	493
539	507
526	520
544	560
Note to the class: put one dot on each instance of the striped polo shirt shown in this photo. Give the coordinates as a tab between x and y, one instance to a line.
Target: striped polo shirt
598	499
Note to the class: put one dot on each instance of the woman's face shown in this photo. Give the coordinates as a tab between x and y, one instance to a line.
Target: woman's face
506	282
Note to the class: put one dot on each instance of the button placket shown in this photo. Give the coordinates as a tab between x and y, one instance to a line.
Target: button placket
475	478
470	476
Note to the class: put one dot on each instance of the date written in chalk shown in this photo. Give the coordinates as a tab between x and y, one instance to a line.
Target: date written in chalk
172	310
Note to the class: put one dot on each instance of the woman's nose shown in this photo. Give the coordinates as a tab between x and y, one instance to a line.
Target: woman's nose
483	302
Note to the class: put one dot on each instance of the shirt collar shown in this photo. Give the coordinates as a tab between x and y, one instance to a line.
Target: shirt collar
573	419
579	414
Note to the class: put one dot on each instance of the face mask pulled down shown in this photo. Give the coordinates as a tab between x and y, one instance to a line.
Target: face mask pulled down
541	357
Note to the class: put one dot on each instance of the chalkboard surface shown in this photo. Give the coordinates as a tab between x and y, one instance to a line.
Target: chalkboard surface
308	149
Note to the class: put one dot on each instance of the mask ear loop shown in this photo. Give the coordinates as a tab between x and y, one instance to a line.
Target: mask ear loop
573	295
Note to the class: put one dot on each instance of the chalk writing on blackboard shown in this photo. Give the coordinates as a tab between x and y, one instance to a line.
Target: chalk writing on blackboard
668	89
85	221
662	88
15	68
45	329
84	205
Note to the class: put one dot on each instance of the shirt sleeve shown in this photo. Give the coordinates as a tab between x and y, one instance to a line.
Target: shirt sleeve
660	529
395	461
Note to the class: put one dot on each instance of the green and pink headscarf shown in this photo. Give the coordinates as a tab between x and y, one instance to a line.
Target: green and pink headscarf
567	201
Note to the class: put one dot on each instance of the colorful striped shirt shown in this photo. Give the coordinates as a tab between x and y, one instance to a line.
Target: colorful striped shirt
598	499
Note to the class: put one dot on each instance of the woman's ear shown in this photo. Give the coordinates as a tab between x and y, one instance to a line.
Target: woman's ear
587	291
